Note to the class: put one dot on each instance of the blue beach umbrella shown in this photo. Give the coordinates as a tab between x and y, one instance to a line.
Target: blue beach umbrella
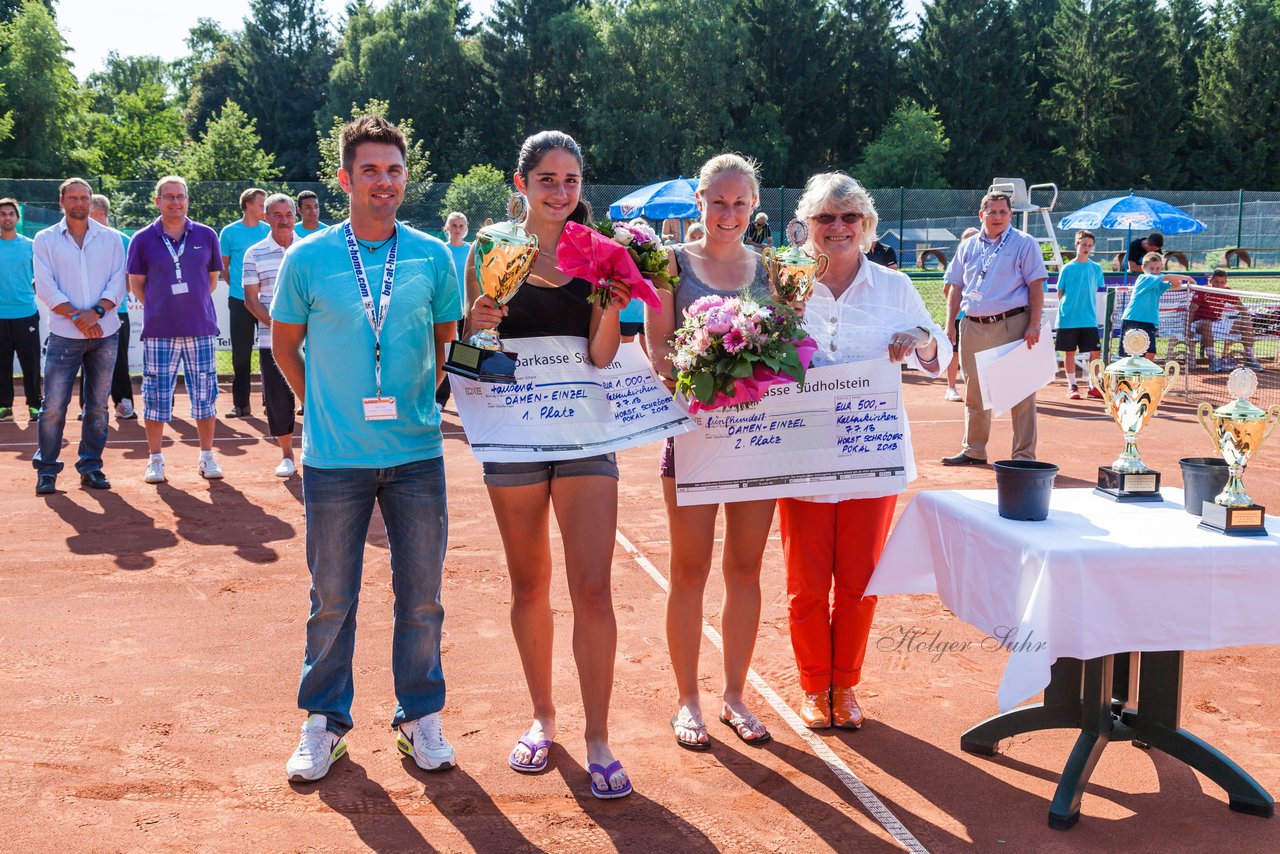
663	200
1133	212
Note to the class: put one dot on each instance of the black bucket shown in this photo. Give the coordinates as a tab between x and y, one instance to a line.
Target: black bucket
1023	488
1202	479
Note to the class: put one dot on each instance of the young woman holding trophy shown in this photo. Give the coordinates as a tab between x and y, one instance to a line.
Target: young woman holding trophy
717	263
858	311
583	492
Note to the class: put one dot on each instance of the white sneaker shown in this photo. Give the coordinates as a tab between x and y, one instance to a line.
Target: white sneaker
155	472
286	468
317	750
952	395
209	469
124	410
424	741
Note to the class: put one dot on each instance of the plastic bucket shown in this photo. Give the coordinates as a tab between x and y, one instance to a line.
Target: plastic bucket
1023	488
1202	479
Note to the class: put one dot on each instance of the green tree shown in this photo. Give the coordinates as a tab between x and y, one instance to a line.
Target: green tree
286	52
136	133
910	151
1190	30
868	76
212	75
1033	20
409	55
480	193
965	63
536	64
229	150
9	9
419	164
1238	103
666	88
44	104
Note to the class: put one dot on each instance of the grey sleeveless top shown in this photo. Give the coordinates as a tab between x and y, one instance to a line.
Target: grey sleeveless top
691	288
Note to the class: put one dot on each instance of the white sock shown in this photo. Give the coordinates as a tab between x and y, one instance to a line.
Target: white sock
157	458
206	455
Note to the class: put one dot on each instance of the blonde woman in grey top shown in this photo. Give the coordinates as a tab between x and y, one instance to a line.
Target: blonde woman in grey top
718	263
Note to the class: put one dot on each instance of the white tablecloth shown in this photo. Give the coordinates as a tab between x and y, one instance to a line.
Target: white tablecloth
1095	578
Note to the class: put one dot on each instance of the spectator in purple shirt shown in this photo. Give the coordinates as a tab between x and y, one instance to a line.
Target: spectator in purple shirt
174	265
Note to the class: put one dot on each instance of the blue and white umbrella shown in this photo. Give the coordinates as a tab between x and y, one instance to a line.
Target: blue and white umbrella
663	200
1134	213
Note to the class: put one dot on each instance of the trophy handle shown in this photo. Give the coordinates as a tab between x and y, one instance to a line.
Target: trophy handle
1171	372
1095	374
1204	413
1273	416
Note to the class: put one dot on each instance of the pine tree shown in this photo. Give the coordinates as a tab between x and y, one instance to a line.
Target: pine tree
868	75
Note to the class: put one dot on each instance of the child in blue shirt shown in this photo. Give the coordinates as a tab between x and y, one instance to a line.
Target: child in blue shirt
1078	286
1143	311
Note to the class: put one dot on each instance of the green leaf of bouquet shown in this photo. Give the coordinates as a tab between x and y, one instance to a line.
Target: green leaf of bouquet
703	387
741	367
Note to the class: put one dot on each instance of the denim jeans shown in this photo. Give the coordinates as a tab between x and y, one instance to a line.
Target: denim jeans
63	359
339	504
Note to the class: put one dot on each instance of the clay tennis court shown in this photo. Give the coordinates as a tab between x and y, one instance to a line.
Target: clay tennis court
152	637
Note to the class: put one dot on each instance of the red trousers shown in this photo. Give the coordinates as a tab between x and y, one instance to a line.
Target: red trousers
826	545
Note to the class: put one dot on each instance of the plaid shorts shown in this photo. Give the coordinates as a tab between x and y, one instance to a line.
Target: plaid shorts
160	358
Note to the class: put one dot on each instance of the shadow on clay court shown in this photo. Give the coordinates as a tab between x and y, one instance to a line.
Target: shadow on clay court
467	806
226	519
19	439
947	782
119	530
827	822
294	487
634	823
348	791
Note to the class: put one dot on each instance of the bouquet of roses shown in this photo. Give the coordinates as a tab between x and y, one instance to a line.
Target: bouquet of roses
616	251
732	348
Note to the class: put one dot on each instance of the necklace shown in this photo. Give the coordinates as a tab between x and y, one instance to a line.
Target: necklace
369	247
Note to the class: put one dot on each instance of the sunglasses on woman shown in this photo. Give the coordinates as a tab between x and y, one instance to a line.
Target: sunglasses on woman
828	218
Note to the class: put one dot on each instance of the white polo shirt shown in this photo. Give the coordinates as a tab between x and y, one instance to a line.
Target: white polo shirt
261	264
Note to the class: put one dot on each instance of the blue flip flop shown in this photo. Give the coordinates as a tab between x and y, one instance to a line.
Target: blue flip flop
534	747
606	793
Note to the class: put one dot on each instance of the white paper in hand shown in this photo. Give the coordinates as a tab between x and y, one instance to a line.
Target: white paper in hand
1010	372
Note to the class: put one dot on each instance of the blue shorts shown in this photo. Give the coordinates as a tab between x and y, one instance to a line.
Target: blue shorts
160	359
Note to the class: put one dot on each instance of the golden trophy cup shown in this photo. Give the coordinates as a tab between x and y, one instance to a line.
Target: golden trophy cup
504	254
1132	388
1237	430
792	271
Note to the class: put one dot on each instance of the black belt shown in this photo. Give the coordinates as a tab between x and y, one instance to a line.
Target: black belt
993	318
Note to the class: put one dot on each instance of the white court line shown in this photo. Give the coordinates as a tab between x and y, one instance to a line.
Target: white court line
178	442
859	789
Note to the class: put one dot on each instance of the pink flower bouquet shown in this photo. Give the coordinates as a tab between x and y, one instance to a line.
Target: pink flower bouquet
615	251
732	348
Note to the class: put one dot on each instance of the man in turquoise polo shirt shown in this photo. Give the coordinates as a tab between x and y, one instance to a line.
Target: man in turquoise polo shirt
235	239
309	214
19	317
376	303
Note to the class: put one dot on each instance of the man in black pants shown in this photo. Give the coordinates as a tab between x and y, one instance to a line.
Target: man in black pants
235	239
121	381
19	317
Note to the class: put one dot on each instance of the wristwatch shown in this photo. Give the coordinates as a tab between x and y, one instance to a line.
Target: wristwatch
102	312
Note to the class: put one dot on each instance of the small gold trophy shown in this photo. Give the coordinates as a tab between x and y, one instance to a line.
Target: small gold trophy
504	255
792	271
1132	388
1237	430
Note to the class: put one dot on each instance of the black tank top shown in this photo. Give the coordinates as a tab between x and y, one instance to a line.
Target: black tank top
536	311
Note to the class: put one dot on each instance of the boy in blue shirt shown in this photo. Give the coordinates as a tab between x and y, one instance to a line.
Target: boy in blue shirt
1078	285
1143	311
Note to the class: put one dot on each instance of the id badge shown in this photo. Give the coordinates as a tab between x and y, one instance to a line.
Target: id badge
379	409
179	288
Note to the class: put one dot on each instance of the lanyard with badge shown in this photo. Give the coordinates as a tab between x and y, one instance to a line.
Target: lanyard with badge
987	258
179	286
376	408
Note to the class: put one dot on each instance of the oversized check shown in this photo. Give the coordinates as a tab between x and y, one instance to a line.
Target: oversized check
840	432
562	407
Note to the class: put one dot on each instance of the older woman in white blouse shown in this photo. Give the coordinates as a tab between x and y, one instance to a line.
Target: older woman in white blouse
859	311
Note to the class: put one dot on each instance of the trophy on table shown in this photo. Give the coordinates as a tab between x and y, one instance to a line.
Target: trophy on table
1237	430
504	255
792	271
1132	388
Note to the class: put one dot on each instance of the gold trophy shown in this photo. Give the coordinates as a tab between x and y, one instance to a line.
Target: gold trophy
792	271
1132	388
504	255
1237	430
